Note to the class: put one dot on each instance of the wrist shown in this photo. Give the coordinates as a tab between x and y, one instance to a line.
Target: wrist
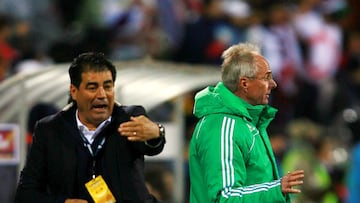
161	130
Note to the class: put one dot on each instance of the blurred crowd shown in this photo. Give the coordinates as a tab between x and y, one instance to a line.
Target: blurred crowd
313	47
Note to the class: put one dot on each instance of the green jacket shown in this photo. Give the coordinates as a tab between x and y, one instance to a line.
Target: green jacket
231	159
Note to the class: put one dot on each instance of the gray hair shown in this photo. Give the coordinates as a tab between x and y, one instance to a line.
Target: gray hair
239	61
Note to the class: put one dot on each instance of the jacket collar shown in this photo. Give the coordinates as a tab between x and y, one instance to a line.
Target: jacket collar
256	114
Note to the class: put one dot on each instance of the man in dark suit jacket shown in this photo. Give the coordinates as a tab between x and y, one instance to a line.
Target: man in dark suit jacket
92	137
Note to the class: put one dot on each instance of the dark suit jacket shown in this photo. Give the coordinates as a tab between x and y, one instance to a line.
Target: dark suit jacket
50	172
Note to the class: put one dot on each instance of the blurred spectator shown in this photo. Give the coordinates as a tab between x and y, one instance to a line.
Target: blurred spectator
354	176
32	35
207	35
61	20
351	65
279	42
322	42
68	11
279	143
160	181
31	57
311	150
348	77
171	17
21	38
351	20
238	14
137	32
7	52
282	47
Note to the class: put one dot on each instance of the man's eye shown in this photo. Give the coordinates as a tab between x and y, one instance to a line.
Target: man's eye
91	88
108	87
269	77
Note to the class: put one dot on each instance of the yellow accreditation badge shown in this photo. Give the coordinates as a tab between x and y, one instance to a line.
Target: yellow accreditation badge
99	191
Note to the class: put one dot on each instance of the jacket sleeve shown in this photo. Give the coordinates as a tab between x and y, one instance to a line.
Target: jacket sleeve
150	147
224	160
32	186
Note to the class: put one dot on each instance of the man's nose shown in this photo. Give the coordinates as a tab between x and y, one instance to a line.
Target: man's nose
101	92
274	84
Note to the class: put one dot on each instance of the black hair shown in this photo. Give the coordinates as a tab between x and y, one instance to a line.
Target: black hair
90	61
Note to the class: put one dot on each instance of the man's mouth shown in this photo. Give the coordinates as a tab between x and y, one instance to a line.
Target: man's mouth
100	106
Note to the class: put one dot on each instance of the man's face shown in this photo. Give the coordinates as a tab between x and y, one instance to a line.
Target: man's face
260	87
94	98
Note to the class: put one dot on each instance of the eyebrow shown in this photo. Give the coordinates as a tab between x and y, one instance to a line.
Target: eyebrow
108	81
91	83
96	83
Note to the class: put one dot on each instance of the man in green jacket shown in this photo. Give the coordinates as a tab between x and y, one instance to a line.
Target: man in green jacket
231	159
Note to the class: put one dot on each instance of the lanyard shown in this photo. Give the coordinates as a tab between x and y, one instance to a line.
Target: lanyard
92	153
88	145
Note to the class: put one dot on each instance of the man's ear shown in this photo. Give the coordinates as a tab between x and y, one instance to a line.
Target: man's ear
73	91
243	82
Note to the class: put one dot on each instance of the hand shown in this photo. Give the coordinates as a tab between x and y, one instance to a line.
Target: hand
75	201
291	179
139	128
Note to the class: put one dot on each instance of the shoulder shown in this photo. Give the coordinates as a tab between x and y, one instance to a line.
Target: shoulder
237	128
54	121
66	115
223	122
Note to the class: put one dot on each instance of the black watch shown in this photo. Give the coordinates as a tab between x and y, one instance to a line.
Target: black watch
161	130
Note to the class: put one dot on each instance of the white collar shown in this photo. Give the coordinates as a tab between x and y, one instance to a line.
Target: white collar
90	134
